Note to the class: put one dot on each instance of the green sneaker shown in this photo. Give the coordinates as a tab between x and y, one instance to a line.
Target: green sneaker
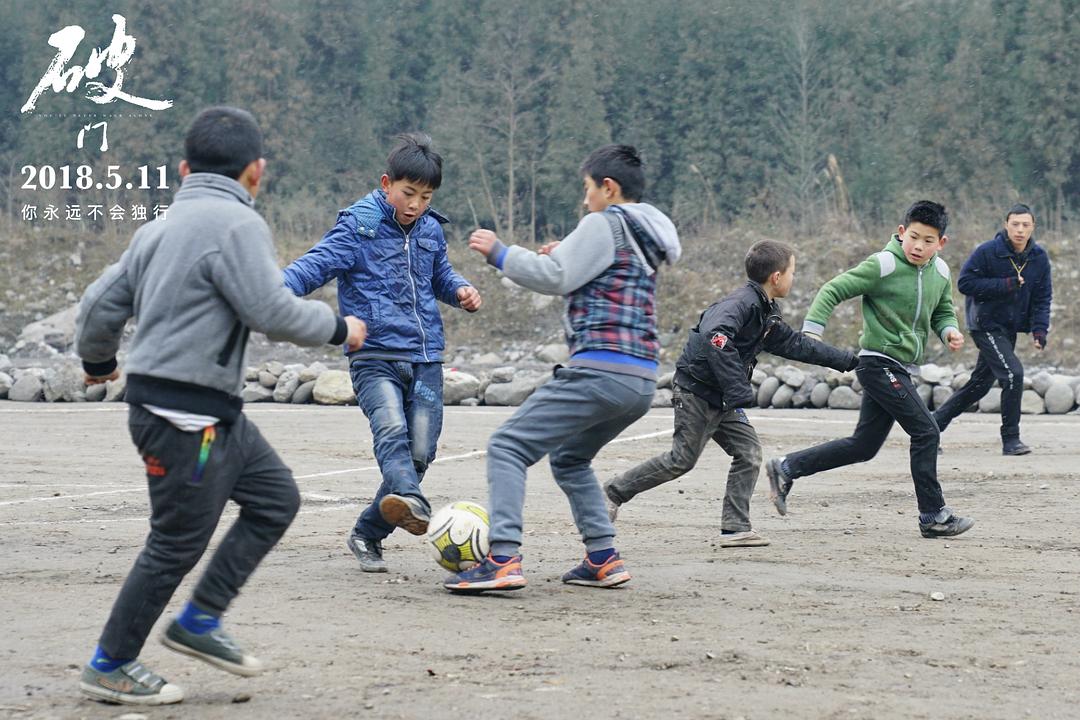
129	684
214	647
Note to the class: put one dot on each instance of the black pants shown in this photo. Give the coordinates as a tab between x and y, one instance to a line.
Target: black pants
997	361
191	476
888	396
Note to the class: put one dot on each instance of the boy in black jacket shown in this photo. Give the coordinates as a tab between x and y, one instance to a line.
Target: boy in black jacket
712	385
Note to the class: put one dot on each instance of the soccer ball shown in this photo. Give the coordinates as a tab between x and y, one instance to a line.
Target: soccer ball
458	535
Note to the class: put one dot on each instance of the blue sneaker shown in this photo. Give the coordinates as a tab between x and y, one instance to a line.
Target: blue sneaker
609	574
488	575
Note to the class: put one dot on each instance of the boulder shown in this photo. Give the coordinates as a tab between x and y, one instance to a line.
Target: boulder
503	374
286	386
554	353
991	402
512	393
665	381
312	372
835	378
487	359
801	398
5	363
844	398
251	374
758	376
56	331
926	393
941	394
936	374
304	393
1031	403
819	396
95	393
766	391
960	379
1059	398
781	399
114	389
791	376
1040	382
256	392
458	386
267	379
28	388
662	398
334	387
6	381
274	367
856	385
66	384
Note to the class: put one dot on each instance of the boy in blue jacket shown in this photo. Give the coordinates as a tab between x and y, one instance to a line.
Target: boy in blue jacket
388	254
1008	288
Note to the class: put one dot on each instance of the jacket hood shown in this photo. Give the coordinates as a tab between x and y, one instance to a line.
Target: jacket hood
653	227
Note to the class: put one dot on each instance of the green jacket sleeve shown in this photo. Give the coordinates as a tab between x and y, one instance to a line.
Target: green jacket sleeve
944	316
853	283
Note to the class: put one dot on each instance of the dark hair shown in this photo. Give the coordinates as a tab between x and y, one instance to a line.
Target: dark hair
413	159
621	163
223	140
766	257
1019	209
929	213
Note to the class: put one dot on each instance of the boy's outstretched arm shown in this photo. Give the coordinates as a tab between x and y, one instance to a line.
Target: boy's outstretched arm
856	281
450	287
581	256
975	279
943	320
785	342
99	323
330	257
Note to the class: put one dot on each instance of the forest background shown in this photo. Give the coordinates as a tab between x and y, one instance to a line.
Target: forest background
815	122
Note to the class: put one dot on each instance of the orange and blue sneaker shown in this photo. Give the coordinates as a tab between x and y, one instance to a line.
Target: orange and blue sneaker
609	573
488	575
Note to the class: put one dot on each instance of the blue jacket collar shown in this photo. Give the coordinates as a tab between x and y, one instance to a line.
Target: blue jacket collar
373	208
1005	248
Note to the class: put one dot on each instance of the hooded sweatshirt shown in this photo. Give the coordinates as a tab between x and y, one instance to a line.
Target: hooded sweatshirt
605	270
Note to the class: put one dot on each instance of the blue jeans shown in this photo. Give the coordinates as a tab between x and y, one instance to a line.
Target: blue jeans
569	418
403	404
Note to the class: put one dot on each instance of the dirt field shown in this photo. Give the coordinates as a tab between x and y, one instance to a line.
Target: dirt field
833	620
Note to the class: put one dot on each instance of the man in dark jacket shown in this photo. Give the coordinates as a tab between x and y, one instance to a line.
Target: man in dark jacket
712	385
1008	288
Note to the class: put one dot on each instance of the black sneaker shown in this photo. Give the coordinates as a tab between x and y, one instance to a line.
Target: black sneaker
779	484
406	512
368	553
953	525
1013	446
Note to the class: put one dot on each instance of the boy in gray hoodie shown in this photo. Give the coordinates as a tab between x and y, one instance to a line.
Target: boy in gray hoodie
198	280
606	268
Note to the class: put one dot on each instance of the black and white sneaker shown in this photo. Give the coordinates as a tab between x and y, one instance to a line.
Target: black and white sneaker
953	525
779	484
369	553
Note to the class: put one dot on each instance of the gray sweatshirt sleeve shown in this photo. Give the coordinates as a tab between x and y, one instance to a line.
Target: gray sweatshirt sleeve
581	257
99	322
246	274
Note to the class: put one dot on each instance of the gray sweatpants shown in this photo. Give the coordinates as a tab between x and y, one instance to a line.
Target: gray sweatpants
696	421
569	418
191	475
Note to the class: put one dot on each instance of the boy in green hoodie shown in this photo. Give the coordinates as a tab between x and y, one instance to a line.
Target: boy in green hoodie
906	293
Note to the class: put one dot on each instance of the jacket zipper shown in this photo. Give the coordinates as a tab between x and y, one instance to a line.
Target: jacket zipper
412	285
915	323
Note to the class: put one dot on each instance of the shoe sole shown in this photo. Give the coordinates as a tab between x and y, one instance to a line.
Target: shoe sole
96	692
399	513
231	667
1016	453
756	542
364	565
774	487
610	581
503	585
